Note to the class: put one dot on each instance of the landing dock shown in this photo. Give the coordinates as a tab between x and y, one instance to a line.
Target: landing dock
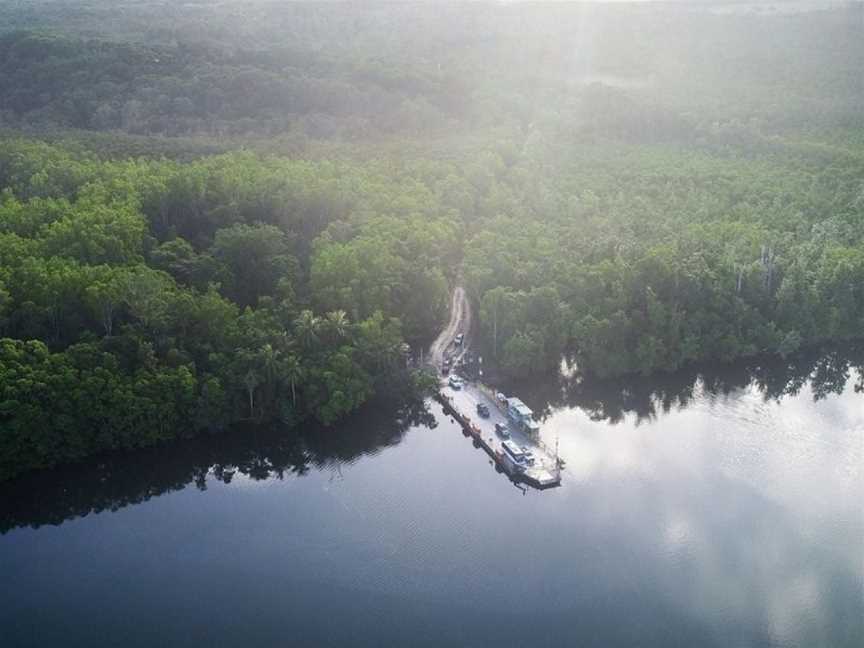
545	472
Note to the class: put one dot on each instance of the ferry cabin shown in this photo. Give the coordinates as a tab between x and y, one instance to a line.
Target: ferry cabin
515	455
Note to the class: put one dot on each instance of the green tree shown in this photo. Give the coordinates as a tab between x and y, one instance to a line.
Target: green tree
256	258
306	328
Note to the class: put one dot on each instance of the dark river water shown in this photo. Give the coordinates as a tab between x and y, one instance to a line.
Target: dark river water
721	508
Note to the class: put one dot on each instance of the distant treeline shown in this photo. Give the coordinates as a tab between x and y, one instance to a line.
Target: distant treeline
52	80
348	73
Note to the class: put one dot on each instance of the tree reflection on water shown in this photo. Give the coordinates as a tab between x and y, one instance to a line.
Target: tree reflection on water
826	372
113	481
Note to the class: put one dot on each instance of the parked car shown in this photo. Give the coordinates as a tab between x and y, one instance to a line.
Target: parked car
502	430
460	339
482	410
455	382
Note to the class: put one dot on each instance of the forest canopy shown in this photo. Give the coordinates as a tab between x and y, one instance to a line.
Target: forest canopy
146	299
248	217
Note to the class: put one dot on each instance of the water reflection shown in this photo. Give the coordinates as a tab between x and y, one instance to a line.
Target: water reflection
644	397
111	482
739	486
696	510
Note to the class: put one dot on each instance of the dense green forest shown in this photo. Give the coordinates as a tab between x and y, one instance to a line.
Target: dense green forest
243	211
145	299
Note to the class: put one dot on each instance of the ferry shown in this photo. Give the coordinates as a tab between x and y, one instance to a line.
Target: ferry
509	434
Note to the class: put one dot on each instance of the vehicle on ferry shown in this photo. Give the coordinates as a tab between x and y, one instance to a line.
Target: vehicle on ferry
522	416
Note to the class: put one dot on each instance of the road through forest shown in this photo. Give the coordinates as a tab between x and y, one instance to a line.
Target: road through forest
460	322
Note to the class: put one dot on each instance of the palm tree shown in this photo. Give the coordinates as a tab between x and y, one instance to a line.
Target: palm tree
337	323
293	372
306	327
251	380
270	362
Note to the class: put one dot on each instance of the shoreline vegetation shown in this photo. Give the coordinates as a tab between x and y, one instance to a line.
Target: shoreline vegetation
199	228
114	480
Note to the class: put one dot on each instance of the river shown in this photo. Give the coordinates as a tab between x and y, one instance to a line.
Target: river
711	508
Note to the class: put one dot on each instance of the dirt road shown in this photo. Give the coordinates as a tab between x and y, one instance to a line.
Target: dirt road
460	322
